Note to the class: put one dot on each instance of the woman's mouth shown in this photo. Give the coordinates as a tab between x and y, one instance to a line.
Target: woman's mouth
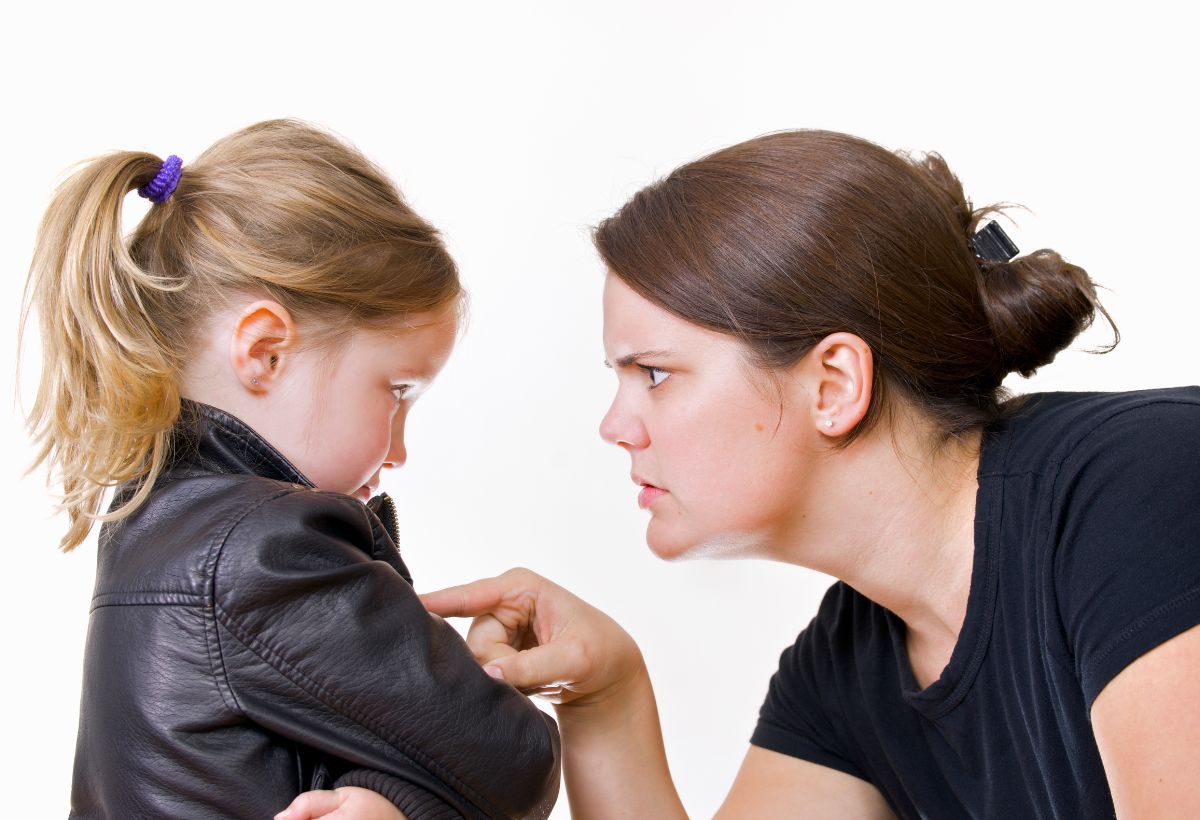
648	495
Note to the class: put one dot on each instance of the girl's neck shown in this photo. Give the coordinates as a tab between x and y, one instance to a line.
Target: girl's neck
896	523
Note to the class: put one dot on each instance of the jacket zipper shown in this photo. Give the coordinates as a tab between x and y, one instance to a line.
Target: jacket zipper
390	517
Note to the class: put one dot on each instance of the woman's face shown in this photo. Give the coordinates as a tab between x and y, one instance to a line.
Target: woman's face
724	457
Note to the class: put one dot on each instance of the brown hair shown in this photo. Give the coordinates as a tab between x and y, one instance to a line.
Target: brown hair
787	238
279	209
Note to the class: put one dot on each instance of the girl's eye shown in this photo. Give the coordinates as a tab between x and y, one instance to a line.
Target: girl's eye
657	375
401	390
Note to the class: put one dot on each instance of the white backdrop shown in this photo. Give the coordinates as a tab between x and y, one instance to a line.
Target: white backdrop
514	127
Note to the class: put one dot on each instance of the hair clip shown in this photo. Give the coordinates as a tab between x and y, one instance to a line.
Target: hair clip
164	182
992	244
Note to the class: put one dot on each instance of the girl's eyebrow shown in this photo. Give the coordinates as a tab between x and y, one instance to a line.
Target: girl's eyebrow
626	361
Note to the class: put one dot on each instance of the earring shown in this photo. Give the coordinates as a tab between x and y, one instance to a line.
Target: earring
253	382
827	423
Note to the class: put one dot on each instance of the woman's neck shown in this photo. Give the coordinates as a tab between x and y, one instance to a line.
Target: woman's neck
895	521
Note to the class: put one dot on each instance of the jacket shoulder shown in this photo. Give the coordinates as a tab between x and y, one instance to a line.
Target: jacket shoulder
168	548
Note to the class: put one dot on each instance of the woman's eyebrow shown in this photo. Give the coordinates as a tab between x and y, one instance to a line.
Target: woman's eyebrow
626	361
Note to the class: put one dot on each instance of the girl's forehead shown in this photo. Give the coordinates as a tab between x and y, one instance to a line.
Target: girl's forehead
447	315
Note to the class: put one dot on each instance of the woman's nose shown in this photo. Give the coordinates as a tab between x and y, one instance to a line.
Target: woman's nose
622	427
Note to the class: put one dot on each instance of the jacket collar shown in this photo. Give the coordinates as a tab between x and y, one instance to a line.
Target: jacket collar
206	439
210	440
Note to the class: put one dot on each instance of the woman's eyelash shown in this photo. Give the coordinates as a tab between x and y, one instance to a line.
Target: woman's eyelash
657	375
401	390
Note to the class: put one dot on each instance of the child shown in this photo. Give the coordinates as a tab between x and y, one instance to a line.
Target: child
240	370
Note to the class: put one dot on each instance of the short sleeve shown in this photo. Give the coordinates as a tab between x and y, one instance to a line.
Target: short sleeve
795	718
1127	515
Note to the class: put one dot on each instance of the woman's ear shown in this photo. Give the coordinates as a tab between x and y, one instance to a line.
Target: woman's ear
263	336
842	368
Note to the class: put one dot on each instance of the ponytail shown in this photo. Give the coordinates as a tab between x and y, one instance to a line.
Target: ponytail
107	398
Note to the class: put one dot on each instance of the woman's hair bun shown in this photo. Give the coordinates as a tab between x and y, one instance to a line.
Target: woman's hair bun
1036	305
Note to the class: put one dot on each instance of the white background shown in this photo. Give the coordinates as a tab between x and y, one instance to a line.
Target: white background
514	127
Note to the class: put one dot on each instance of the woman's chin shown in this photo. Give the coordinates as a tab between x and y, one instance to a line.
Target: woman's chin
672	545
666	539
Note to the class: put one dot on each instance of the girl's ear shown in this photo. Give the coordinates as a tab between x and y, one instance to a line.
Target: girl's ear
263	336
841	368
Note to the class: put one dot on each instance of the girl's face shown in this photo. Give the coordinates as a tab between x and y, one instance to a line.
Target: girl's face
723	456
344	409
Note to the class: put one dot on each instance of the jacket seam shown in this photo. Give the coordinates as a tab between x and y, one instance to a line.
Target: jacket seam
212	642
152	598
273	659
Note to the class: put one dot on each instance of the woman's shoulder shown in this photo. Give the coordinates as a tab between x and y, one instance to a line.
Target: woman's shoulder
844	620
1071	407
1043	431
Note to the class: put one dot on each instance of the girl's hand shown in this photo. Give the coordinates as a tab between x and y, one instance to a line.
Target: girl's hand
541	639
346	803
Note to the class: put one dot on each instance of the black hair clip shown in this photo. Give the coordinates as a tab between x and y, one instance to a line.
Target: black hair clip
992	244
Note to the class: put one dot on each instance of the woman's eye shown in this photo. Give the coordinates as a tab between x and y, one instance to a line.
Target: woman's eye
657	375
401	390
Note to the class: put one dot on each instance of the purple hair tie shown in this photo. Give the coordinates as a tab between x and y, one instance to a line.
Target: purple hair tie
164	182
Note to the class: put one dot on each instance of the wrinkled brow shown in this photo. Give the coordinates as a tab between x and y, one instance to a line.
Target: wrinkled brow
626	361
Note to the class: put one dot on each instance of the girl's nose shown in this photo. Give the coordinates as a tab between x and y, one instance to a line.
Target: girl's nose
397	454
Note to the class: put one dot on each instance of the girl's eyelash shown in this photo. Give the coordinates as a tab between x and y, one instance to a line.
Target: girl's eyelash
401	390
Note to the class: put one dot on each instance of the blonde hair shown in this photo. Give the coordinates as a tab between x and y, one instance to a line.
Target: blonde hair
280	209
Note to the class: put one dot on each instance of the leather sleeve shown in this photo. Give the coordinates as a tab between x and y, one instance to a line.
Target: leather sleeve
313	639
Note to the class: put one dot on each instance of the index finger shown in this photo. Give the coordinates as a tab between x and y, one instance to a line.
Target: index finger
467	600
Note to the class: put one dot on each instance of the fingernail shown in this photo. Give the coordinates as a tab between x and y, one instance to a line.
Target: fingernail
495	671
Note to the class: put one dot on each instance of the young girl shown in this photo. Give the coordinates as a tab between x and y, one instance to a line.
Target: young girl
240	370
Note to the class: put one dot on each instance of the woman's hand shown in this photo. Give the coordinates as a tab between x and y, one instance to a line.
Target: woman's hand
541	639
346	803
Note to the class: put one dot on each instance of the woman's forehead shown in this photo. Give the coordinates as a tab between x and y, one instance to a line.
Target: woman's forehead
634	325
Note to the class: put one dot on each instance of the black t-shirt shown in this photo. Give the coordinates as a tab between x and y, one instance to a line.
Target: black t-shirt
1087	555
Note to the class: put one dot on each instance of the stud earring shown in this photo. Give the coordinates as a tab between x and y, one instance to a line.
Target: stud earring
253	382
827	423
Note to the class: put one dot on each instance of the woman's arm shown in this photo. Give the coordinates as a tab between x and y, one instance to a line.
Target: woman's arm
771	784
1147	725
541	638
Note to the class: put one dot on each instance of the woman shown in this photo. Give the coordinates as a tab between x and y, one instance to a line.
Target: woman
810	335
